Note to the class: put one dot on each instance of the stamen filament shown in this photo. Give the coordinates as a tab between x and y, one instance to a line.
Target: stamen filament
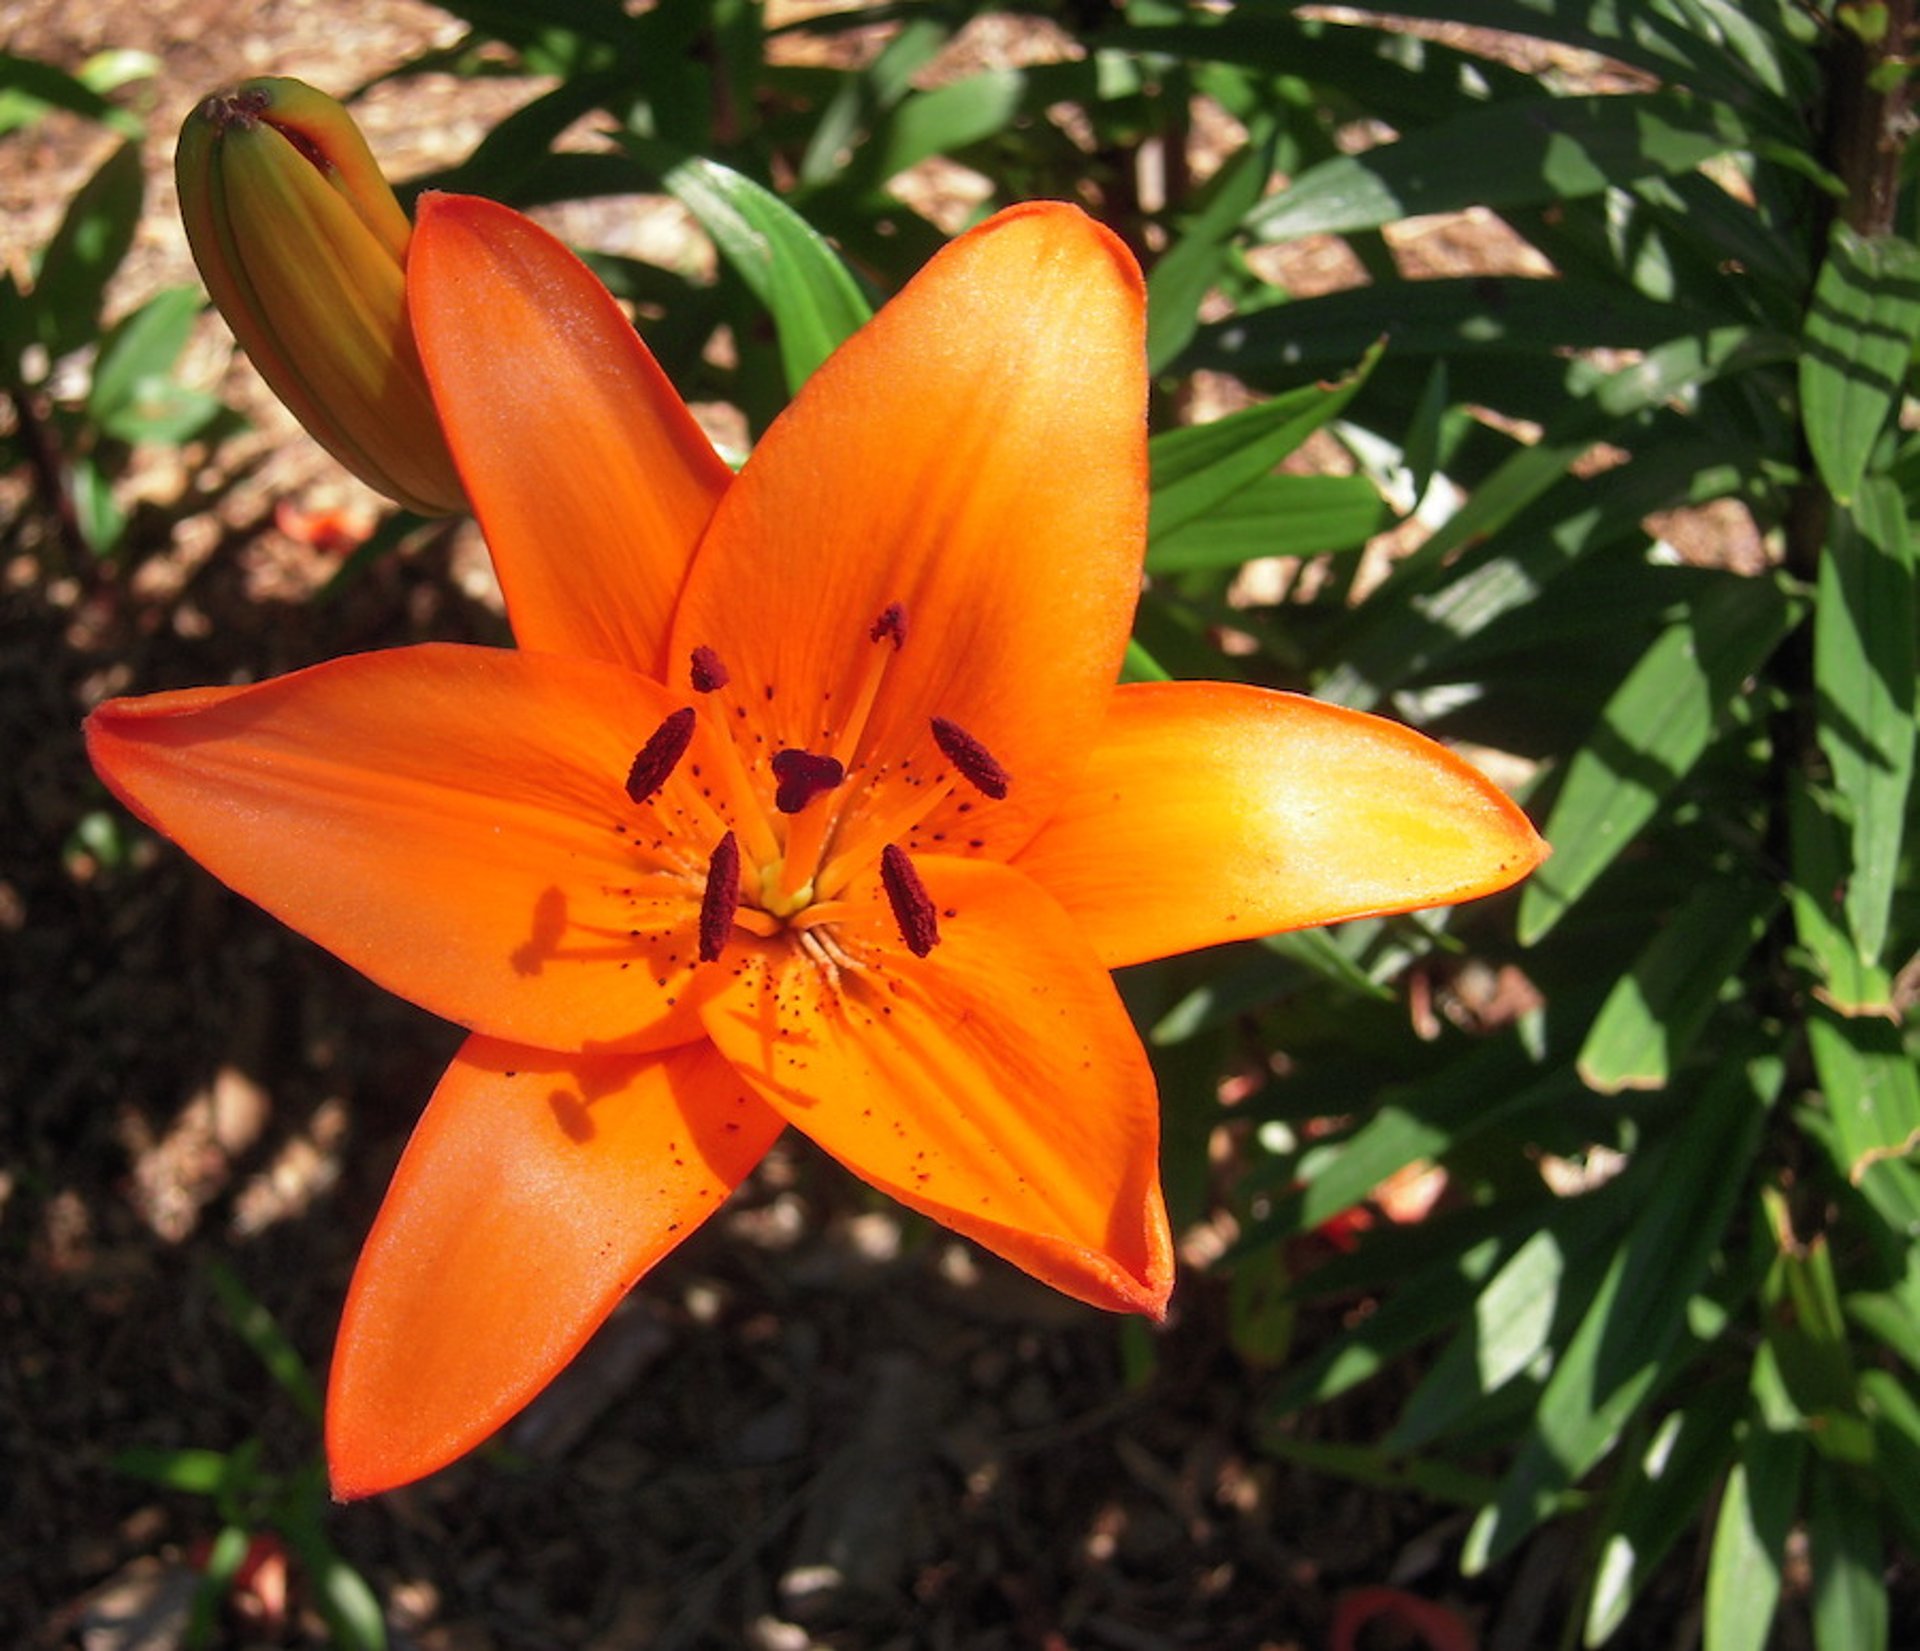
853	853
890	627
736	801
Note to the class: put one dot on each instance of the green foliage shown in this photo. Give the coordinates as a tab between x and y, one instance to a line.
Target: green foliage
79	441
258	1506
1675	1286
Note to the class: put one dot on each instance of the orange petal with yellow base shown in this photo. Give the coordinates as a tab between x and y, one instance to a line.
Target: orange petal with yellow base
995	1085
589	476
452	821
533	1194
1211	811
977	454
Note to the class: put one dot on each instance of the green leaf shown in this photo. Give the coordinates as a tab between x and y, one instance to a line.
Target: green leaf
351	1607
1428	1300
1619	1353
29	88
1896	1425
1496	1082
1871	1085
1275	516
133	372
1656	1010
1182	277
1849	1597
1819	842
1653	730
1891	1322
224	1559
1750	1538
1510	1331
193	1472
70	285
845	121
1496	315
256	1327
1417	614
786	265
1863	669
1660	1499
95	508
1517	153
1859	337
1196	468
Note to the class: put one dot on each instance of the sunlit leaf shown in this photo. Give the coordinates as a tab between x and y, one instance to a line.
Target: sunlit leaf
1658	1500
1617	1355
1654	729
1513	154
1849	1594
1749	1540
1657	1008
813	300
70	285
1863	666
1198	467
1860	331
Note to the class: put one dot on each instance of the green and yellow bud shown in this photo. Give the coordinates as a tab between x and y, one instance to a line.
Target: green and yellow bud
304	249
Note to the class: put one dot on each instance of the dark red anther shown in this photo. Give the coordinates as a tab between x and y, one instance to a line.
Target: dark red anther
912	905
721	899
709	672
973	759
658	758
802	777
891	626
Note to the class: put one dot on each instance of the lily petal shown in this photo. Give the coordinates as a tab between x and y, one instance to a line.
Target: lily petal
450	820
588	474
977	454
996	1085
1213	811
535	1191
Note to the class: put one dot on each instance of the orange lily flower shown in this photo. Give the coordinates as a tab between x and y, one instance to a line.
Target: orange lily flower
807	798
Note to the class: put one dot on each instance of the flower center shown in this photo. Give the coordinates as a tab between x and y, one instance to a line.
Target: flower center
782	840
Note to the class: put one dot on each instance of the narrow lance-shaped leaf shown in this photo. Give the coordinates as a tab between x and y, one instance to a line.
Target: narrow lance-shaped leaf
1197	468
1849	1593
1657	1008
1863	668
1871	1086
1817	892
1510	1328
70	284
1275	516
1620	1351
1181	278
1750	1538
813	300
1417	616
1658	1500
1513	154
1653	730
1858	339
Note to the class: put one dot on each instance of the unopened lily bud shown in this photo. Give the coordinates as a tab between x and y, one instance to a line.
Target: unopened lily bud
304	249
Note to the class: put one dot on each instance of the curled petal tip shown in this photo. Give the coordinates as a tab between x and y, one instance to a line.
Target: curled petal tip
303	248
